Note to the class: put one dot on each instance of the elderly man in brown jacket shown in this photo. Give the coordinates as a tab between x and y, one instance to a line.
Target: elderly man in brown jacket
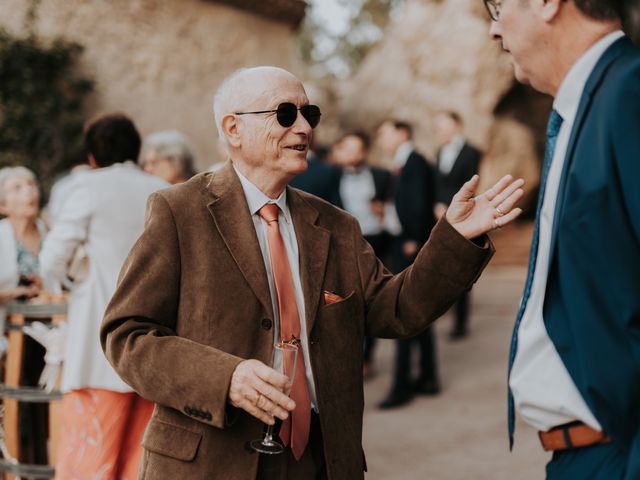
202	299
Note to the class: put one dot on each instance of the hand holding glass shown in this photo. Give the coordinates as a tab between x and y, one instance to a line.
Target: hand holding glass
288	354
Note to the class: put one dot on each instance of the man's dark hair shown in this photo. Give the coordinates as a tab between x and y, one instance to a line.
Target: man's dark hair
601	9
455	116
112	138
362	136
402	125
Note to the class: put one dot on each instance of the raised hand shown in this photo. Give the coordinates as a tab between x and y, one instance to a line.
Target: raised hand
474	215
258	390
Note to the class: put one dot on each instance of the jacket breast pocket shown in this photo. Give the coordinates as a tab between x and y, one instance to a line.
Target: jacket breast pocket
171	440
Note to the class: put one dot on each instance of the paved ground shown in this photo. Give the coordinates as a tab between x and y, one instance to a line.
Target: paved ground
461	434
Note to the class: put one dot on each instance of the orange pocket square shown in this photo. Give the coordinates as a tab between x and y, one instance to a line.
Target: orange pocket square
330	297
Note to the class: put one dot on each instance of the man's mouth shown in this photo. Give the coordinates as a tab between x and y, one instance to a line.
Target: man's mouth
300	147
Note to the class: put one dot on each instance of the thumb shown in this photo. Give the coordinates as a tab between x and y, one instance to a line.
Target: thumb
468	190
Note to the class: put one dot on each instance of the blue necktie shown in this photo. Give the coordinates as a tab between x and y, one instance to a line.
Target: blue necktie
553	127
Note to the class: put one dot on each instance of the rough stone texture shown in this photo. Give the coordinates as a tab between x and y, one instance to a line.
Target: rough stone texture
160	61
439	55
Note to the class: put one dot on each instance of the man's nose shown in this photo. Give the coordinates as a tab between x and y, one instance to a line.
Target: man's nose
301	125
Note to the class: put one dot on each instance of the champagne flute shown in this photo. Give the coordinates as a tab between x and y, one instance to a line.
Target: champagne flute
288	356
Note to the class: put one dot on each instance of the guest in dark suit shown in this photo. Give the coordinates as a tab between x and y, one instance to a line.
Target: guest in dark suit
414	201
457	162
575	354
364	191
320	179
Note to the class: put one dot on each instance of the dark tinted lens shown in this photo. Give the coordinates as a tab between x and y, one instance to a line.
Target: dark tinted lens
286	114
312	114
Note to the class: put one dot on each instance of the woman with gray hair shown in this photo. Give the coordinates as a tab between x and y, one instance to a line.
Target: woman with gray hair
168	155
21	234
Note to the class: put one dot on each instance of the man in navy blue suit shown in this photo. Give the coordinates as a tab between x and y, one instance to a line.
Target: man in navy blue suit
575	356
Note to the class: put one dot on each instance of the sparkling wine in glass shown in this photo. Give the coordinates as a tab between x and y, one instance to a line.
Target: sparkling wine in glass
288	356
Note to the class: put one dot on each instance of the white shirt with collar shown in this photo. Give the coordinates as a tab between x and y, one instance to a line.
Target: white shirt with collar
449	154
256	199
544	393
403	153
357	190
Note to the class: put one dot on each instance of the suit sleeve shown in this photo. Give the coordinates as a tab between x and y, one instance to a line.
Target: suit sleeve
625	115
138	334
405	304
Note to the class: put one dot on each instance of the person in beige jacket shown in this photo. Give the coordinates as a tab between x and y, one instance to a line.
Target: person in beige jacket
195	317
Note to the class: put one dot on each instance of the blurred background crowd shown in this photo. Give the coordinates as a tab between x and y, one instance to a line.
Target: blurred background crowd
416	98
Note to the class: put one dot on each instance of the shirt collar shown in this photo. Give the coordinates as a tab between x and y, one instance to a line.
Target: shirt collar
256	199
457	142
402	154
568	98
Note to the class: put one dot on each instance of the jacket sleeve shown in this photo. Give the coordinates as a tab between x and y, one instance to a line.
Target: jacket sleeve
138	334
405	304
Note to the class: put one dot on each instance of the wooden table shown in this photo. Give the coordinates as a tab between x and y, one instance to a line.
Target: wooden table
20	314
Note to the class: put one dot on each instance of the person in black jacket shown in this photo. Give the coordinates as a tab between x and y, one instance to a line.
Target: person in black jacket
320	179
457	162
364	191
414	201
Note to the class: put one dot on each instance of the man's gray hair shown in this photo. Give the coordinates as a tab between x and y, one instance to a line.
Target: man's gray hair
226	98
222	100
173	146
12	172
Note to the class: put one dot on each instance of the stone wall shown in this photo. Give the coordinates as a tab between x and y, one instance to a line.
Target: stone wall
160	61
439	55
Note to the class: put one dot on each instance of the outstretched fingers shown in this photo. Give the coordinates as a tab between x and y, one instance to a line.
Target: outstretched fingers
498	187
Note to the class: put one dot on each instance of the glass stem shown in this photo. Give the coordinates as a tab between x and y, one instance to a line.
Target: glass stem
268	436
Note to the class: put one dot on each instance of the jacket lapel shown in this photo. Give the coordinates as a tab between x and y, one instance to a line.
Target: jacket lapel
313	248
231	216
592	85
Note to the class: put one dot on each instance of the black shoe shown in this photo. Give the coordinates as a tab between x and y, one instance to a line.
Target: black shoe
394	400
426	387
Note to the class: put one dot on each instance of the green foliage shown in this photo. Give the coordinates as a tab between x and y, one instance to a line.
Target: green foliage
41	103
339	53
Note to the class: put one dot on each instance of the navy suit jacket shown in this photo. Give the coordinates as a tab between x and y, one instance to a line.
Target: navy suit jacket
592	301
415	197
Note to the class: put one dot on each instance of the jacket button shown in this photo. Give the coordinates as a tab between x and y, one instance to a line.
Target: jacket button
266	323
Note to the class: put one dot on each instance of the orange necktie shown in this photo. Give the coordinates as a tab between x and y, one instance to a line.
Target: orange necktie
296	428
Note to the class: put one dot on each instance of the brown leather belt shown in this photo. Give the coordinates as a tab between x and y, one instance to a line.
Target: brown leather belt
571	435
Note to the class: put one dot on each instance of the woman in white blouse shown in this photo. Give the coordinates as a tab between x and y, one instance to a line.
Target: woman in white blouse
21	234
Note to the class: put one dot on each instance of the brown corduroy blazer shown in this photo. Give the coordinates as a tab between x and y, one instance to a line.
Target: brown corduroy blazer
193	301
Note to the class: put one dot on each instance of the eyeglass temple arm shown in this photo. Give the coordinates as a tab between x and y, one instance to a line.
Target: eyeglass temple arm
251	113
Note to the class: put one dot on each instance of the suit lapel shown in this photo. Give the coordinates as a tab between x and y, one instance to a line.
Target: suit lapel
592	85
231	216
313	248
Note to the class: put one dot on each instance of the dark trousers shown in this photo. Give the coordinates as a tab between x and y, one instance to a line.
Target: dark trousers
284	466
425	342
461	313
403	384
599	462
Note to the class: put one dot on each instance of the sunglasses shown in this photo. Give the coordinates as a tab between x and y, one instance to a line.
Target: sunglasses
286	113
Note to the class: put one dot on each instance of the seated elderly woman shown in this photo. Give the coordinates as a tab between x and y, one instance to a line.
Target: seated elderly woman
21	234
168	155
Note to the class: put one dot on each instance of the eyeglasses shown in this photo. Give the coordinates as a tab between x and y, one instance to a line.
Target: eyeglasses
493	7
286	113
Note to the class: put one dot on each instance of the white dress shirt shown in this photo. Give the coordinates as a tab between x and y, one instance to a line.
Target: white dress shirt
449	154
357	190
105	212
402	154
544	393
256	200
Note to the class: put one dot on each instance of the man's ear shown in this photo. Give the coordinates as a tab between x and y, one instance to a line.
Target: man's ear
92	161
550	9
231	130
